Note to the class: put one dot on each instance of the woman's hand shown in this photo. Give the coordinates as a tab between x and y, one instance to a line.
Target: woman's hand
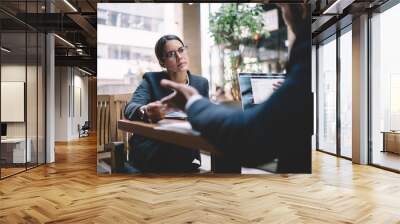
154	111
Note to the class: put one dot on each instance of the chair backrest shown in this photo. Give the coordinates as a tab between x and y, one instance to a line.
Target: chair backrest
110	109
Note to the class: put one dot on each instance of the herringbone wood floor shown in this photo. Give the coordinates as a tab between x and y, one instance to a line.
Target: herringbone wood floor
70	191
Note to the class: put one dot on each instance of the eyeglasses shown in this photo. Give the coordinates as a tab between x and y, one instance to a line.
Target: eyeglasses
172	54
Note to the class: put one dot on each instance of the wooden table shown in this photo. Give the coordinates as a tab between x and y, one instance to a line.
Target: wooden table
188	139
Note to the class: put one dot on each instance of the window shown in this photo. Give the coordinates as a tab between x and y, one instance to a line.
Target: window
385	85
101	16
101	51
22	65
394	101
125	53
138	22
113	18
147	24
113	52
333	137
125	20
346	94
158	25
327	96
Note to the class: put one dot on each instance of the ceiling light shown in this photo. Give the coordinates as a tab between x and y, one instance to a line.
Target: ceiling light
64	40
86	72
331	7
337	7
79	51
70	5
5	50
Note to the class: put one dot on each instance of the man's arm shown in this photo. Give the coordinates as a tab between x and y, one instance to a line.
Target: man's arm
238	135
259	134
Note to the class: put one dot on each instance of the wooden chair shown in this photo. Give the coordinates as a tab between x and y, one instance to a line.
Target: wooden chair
112	144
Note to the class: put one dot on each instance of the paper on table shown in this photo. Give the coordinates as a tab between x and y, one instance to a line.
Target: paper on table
176	115
180	127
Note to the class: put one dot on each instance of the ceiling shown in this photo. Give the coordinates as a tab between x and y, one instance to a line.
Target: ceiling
333	15
76	25
76	20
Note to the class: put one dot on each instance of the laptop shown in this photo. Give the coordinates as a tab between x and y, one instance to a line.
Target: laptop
256	88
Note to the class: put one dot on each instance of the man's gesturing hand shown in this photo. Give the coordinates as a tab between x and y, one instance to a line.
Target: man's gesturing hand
180	96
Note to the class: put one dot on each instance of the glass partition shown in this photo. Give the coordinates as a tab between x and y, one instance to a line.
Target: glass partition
31	98
385	89
346	93
327	96
13	87
41	96
22	89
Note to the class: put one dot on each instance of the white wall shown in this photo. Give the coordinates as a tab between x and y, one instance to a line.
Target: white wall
15	73
61	103
80	96
69	85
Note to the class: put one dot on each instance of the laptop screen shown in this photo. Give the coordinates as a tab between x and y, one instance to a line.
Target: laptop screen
255	88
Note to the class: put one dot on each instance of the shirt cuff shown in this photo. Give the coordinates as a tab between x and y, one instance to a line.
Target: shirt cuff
191	100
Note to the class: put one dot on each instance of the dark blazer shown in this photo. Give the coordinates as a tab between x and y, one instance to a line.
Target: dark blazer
281	127
154	156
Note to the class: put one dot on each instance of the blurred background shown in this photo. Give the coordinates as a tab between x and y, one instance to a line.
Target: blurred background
127	34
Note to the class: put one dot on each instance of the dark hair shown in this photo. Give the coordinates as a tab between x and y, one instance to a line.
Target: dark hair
159	48
297	17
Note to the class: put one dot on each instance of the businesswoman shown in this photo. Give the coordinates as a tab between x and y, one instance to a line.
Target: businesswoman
150	155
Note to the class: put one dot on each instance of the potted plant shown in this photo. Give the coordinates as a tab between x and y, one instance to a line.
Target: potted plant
230	27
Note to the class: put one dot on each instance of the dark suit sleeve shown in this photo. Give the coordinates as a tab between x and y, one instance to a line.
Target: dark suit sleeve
205	89
259	134
229	130
140	97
